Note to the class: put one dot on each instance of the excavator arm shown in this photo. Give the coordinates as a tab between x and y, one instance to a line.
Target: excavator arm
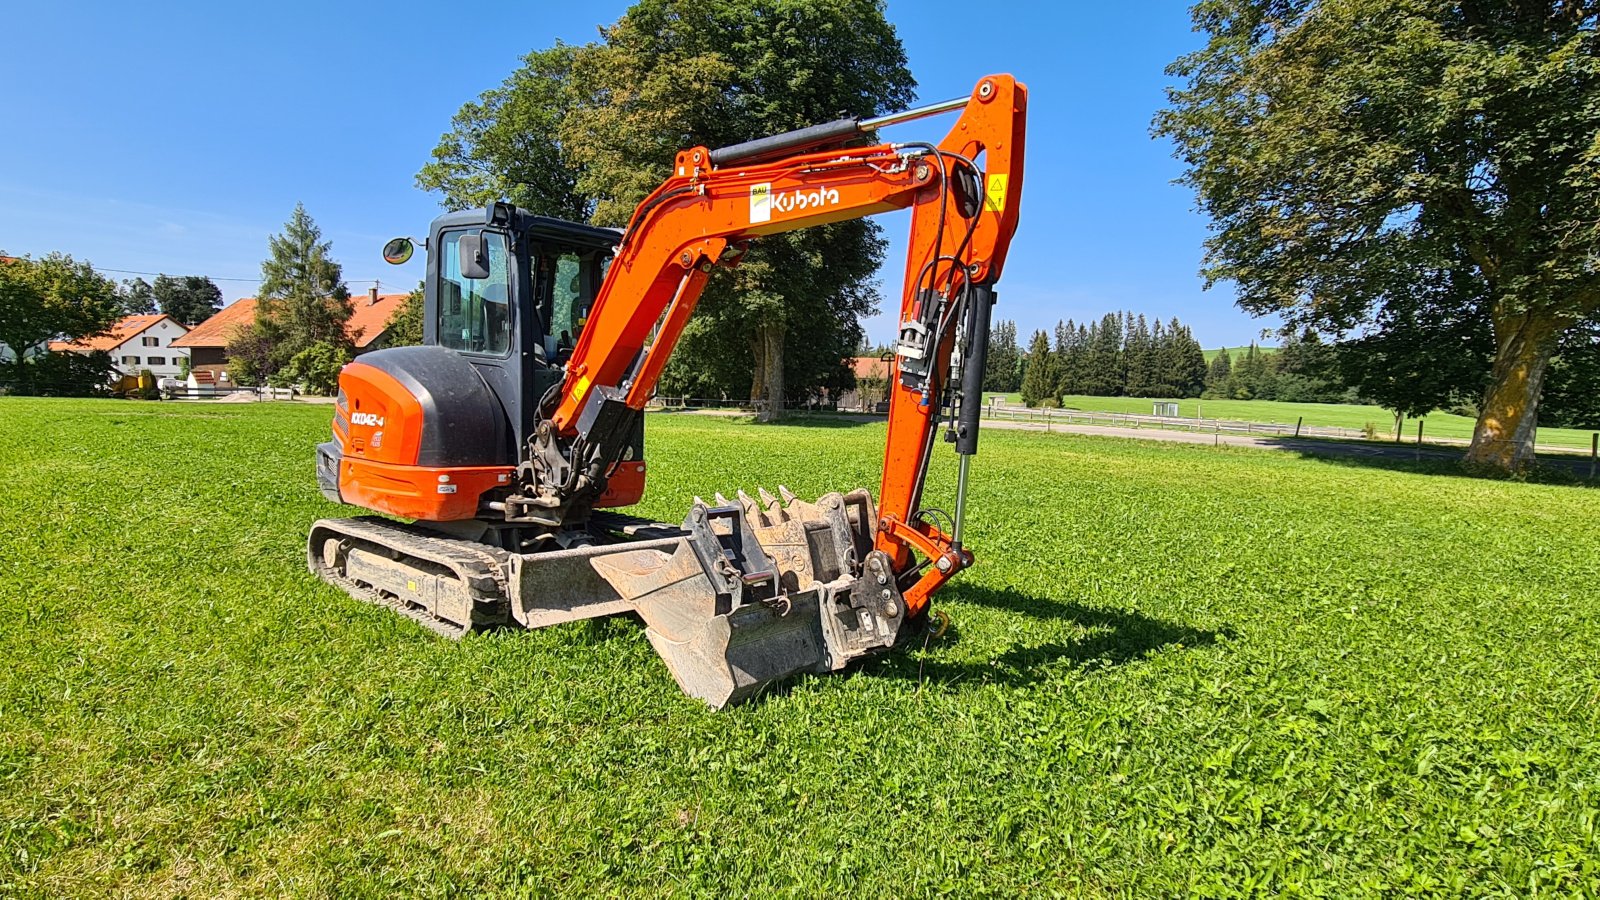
965	195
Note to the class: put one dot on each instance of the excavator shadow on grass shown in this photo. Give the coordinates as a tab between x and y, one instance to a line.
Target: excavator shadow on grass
1110	638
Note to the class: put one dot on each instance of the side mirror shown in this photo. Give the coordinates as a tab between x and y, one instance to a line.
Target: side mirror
398	251
473	256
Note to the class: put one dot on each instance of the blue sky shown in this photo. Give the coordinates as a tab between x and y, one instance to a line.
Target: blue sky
175	138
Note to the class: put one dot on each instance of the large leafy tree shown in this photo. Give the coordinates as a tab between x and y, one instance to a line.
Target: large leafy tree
303	301
138	297
1429	351
506	145
1348	150
52	297
190	299
605	120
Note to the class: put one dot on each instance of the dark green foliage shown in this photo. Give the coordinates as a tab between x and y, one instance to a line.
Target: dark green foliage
1217	375
62	374
1175	671
1572	389
1039	376
1422	356
190	299
1308	371
1003	369
404	328
1350	150
137	297
507	145
316	369
1122	355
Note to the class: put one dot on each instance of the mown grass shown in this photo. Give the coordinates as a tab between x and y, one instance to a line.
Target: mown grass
1340	415
1175	670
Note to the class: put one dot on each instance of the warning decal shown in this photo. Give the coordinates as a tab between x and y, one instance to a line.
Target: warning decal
761	202
994	193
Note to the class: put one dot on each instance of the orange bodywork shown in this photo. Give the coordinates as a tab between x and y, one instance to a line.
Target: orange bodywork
378	426
701	216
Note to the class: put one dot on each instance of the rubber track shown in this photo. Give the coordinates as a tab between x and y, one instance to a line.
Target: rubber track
477	565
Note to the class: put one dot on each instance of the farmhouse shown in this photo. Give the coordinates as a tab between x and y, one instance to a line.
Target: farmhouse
137	343
207	344
871	388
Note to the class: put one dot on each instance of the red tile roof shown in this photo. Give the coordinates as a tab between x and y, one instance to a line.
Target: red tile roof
870	367
218	330
367	319
119	334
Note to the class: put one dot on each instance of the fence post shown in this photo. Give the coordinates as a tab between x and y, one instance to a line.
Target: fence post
1594	450
1297	423
1419	439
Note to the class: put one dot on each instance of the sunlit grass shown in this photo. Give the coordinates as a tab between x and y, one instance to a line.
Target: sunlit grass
1174	670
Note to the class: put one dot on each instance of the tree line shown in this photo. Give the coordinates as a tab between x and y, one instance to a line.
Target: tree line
1414	365
1121	355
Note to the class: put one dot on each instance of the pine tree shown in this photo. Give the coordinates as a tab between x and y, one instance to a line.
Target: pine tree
1140	353
1069	358
303	300
1186	363
1219	376
1039	380
1003	369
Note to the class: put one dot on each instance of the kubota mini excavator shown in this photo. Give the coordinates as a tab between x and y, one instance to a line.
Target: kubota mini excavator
511	434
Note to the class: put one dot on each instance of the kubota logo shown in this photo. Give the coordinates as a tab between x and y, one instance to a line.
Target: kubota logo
763	201
366	419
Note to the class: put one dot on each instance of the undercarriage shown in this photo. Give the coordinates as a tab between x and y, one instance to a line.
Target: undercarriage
742	594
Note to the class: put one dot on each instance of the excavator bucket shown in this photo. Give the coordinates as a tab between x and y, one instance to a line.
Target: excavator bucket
743	595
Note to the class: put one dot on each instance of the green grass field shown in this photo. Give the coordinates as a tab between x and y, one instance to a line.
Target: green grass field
1339	415
1235	353
1175	670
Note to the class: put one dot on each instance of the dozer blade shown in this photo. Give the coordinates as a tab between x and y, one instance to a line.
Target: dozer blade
743	595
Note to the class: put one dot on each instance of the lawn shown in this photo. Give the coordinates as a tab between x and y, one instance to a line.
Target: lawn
1340	415
1174	670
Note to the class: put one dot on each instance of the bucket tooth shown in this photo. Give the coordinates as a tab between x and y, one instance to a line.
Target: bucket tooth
721	500
771	505
753	511
787	495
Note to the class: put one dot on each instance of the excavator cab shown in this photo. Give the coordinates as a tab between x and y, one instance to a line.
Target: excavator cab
508	291
506	296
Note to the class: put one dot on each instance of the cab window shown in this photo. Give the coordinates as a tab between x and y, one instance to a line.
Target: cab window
475	314
566	292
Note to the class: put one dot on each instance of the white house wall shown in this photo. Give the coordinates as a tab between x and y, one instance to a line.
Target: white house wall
133	356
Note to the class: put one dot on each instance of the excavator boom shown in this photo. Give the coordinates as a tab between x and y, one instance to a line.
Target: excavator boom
743	592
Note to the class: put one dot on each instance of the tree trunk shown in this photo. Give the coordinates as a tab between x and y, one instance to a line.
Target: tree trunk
1503	438
769	372
758	380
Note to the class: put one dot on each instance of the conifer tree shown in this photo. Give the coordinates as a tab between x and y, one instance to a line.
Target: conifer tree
1039	381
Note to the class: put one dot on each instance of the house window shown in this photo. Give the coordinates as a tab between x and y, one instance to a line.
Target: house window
130	360
151	341
156	360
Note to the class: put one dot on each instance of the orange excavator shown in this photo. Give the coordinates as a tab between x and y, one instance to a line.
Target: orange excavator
512	435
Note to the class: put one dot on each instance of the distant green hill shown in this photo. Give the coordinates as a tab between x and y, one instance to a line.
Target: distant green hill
1236	352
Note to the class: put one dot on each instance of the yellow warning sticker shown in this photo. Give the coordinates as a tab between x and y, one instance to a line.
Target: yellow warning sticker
994	194
581	388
